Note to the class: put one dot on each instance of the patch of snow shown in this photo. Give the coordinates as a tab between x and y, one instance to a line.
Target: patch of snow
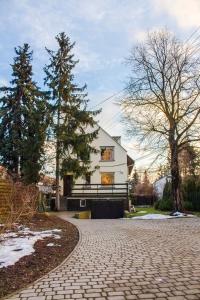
16	245
180	214
161	217
57	237
152	217
51	245
142	212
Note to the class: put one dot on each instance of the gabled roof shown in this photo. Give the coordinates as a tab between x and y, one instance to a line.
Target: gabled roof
112	138
130	161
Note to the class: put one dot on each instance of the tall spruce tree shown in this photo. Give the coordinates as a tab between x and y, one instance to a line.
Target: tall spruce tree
135	180
23	120
71	118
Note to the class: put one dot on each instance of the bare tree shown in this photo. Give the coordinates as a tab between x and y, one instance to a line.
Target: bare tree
163	103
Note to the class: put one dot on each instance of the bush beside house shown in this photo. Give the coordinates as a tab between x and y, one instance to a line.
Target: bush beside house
166	202
190	191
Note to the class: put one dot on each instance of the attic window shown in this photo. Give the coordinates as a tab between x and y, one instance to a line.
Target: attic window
107	153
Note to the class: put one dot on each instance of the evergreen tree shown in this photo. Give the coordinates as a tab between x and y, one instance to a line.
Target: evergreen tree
146	178
167	192
71	119
23	120
189	161
135	180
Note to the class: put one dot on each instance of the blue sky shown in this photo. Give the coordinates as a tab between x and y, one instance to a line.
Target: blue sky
104	31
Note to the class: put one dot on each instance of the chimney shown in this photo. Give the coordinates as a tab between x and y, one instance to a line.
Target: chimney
117	139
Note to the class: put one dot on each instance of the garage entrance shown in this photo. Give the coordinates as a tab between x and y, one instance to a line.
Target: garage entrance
107	209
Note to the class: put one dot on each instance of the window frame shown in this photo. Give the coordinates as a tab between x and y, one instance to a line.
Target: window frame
85	203
113	153
113	175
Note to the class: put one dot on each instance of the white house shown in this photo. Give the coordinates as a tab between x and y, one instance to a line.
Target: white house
111	160
109	180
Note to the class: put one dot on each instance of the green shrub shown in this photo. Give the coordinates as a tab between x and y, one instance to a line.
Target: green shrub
191	193
156	204
165	204
167	192
187	205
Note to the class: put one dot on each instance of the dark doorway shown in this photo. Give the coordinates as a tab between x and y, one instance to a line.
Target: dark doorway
67	185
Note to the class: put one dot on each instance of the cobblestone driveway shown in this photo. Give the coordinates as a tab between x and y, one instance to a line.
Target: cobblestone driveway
127	259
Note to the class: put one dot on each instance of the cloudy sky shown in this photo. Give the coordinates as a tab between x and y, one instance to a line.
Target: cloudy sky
104	31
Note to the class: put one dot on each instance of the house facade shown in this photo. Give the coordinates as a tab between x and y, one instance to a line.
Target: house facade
111	161
108	181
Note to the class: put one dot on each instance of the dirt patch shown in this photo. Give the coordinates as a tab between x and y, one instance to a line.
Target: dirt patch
31	267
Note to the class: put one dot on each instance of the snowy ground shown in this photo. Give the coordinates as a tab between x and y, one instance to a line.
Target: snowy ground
161	217
15	245
152	217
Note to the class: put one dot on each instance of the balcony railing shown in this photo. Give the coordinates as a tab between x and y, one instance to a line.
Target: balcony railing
100	190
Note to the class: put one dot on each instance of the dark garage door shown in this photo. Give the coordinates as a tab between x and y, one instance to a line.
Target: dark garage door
107	209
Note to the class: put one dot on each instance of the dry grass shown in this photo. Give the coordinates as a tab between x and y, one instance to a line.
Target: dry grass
20	201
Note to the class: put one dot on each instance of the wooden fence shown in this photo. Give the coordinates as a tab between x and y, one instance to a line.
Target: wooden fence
6	189
143	200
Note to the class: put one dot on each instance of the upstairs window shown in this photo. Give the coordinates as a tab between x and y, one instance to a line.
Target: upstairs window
107	153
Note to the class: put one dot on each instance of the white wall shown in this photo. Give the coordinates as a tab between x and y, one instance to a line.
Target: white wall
118	166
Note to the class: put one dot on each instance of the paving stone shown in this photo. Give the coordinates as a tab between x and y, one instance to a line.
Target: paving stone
116	298
127	259
93	295
37	298
146	296
176	298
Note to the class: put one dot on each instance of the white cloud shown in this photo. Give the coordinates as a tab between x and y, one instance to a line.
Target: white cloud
137	35
95	10
186	12
39	23
4	82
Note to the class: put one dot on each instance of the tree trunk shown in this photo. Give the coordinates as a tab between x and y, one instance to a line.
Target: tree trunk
176	181
57	204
